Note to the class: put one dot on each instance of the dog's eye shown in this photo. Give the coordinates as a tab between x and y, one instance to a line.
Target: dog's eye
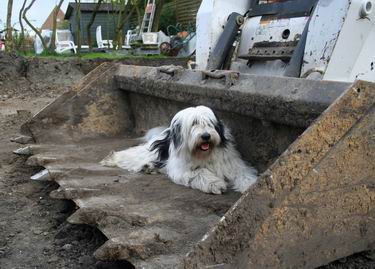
195	122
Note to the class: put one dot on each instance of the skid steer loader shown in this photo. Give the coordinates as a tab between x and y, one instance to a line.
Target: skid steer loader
290	93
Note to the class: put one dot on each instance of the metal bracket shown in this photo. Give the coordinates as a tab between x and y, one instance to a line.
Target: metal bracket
230	76
171	70
295	8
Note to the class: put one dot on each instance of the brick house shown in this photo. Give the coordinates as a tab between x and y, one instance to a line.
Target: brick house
47	25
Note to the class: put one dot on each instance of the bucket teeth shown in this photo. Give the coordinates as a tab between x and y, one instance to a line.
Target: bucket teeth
23	139
72	193
162	262
41	176
116	250
136	244
104	216
32	149
24	151
86	216
39	160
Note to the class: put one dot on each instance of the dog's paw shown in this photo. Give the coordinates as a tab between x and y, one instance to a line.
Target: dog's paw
217	187
149	168
204	180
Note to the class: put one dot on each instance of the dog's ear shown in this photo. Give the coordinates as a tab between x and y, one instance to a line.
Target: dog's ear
176	135
220	129
162	148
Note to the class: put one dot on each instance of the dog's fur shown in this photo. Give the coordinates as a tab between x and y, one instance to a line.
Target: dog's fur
196	150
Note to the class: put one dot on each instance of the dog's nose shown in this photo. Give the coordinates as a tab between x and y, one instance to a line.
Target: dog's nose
206	136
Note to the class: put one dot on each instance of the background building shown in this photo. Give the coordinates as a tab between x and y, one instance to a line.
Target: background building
106	17
47	25
174	11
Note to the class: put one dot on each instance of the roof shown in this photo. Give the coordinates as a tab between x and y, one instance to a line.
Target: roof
89	7
186	11
48	24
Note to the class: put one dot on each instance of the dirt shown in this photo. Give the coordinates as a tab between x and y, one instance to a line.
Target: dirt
34	232
33	228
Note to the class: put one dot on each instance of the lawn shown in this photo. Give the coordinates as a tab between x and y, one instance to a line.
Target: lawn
96	55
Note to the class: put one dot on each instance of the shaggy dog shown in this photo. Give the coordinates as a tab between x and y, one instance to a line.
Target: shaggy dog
196	151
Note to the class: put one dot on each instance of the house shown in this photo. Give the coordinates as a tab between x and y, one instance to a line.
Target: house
48	24
186	11
106	17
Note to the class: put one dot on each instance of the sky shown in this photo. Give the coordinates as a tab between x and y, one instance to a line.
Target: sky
37	14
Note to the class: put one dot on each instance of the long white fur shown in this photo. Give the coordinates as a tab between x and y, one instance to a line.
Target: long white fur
214	173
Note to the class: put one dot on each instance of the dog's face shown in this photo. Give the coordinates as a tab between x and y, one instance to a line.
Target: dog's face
198	131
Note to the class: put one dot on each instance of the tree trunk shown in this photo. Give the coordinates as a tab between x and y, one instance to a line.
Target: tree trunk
139	9
9	37
37	32
54	25
139	17
89	25
21	46
156	22
78	25
119	30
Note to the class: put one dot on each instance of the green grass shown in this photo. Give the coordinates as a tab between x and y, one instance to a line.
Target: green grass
112	55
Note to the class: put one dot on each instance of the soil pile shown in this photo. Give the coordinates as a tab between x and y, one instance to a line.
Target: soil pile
36	77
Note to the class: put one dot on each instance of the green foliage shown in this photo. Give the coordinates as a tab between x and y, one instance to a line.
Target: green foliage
168	16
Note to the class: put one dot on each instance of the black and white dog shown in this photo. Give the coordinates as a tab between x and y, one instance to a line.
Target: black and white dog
196	150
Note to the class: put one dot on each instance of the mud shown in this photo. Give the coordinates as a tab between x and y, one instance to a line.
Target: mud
33	228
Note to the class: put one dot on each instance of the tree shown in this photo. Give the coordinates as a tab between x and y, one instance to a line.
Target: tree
123	7
139	14
22	35
156	22
123	19
78	25
9	38
54	25
89	25
37	32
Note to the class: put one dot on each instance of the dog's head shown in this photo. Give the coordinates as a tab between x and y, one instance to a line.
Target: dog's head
197	130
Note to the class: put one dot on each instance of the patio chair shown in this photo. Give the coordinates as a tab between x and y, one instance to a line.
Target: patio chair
64	41
130	36
99	40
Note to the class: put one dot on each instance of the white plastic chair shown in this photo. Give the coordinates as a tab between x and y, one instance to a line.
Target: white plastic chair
64	41
99	40
130	36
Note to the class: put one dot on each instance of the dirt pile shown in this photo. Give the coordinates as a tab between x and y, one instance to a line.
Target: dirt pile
33	228
34	77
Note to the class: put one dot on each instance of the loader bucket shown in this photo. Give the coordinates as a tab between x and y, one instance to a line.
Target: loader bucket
312	141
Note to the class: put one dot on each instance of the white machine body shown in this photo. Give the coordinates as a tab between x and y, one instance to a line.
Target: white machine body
211	19
340	43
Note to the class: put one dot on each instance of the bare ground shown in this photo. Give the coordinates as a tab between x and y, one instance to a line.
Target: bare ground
33	228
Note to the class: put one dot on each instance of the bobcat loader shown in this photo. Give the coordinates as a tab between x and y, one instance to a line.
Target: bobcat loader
294	82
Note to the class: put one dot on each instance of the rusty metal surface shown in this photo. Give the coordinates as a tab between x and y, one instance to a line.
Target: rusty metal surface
93	108
148	220
315	204
154	223
289	101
